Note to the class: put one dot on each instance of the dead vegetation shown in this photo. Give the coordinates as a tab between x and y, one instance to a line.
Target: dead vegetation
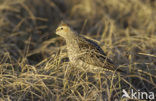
33	60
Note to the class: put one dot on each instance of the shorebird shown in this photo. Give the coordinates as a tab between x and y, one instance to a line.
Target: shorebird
83	52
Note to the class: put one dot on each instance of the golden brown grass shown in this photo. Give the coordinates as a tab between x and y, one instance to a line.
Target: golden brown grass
33	60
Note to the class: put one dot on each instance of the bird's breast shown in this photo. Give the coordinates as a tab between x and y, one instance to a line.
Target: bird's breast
73	51
72	54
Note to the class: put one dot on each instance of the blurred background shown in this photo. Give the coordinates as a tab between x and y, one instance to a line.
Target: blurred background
31	51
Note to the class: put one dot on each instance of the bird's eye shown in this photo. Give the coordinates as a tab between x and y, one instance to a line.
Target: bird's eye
61	28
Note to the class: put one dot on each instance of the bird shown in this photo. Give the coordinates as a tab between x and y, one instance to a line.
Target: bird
84	52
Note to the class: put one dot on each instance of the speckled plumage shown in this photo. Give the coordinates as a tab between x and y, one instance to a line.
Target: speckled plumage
85	53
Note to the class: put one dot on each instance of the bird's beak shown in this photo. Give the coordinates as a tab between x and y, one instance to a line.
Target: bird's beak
56	30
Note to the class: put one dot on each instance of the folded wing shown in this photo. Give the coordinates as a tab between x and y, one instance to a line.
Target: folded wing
92	54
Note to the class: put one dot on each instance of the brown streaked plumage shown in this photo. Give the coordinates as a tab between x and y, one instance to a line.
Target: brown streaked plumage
83	52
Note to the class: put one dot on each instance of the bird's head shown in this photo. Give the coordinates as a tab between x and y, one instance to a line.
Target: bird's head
63	30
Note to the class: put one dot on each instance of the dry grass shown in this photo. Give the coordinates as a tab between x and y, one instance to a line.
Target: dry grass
33	60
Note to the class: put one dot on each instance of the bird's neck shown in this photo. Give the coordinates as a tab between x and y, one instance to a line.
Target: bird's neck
72	44
72	39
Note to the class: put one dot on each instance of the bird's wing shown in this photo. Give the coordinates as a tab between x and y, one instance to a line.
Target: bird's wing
92	54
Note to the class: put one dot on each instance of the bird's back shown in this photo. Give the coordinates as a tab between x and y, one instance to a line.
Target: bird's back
92	54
